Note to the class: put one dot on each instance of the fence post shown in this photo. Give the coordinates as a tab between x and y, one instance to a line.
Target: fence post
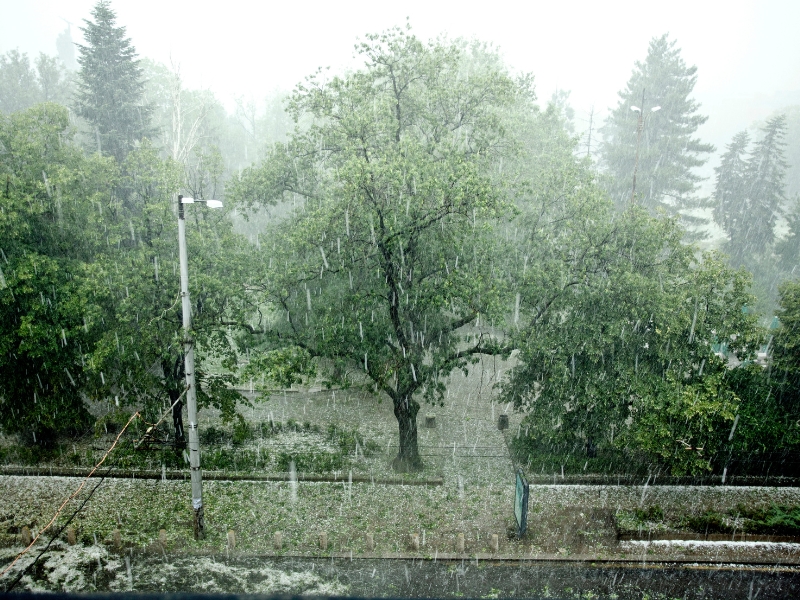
413	541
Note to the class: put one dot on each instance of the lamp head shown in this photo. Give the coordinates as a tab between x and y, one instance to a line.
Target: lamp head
209	203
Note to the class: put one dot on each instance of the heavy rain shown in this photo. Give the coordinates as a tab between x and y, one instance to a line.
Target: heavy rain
423	300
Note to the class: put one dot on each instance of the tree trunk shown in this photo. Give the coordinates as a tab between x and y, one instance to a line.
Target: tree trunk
173	373
407	460
177	420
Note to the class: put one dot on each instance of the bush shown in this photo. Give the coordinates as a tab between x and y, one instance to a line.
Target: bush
776	520
540	458
241	432
650	514
310	462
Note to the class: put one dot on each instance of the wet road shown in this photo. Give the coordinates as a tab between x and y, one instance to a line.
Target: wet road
451	579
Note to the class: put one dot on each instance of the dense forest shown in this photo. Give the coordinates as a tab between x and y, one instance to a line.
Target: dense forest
387	227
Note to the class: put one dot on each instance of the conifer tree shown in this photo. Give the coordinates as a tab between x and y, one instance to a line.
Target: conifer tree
18	89
110	86
664	140
730	195
750	192
766	172
23	84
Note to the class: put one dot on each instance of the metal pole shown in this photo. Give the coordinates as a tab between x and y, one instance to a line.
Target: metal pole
191	396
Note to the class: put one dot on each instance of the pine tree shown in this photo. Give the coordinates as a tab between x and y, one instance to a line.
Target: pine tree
766	173
110	86
750	192
667	151
730	193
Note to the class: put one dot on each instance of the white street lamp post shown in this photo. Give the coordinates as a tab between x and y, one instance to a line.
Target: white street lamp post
188	353
639	128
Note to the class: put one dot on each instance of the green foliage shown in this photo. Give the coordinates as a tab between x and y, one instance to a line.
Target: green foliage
667	150
686	425
651	513
788	248
110	85
730	193
349	439
772	520
139	357
88	282
750	197
792	114
549	457
231	449
18	89
282	366
619	350
775	520
52	309
786	359
193	128
113	422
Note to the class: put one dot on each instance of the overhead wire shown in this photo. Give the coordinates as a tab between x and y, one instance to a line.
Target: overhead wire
69	498
58	533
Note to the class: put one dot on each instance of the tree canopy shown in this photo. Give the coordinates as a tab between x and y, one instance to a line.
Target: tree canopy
52	310
388	254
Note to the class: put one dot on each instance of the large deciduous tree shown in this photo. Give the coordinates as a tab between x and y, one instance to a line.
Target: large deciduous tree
110	86
18	89
668	151
616	322
89	290
52	310
787	344
388	255
139	357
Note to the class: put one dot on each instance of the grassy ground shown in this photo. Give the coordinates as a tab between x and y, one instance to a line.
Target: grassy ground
465	449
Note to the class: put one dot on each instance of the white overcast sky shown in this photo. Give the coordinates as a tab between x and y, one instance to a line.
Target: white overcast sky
747	51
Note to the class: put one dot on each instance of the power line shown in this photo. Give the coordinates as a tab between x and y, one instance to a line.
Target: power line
64	504
58	533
